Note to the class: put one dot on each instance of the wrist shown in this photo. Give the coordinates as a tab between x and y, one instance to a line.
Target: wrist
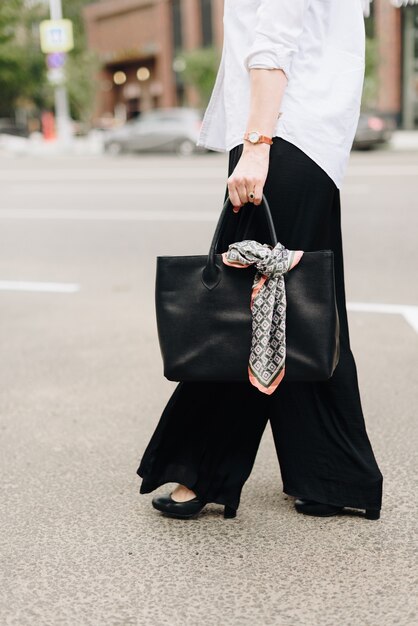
256	148
256	137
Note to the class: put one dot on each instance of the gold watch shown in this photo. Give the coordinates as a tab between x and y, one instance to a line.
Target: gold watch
255	137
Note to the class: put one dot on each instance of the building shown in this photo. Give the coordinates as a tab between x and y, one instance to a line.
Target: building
395	31
137	42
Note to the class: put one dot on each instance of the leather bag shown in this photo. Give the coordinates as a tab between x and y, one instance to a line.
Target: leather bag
204	318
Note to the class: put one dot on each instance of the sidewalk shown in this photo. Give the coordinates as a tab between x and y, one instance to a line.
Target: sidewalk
404	140
92	144
36	146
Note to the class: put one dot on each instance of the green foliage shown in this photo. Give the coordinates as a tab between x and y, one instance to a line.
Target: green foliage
23	79
82	64
80	70
22	65
200	70
17	67
370	79
8	19
73	10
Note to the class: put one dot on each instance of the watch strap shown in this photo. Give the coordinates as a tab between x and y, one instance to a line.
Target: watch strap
261	139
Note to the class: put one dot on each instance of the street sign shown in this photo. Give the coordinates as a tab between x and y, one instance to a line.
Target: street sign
56	76
56	60
56	36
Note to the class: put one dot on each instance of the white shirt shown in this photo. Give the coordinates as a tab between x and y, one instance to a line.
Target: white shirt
320	45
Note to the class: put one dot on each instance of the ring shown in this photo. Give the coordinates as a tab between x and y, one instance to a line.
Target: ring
251	195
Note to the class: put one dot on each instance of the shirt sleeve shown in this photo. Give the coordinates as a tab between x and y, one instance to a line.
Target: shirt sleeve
278	27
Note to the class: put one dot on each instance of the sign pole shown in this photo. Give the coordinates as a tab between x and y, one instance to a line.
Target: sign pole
62	109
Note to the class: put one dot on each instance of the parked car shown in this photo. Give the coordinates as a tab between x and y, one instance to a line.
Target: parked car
372	130
158	130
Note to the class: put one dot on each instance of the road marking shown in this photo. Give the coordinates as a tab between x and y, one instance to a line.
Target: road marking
408	312
137	190
98	175
24	285
147	188
174	170
383	170
121	215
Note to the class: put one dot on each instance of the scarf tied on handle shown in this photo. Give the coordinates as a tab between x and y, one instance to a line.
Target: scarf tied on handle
266	365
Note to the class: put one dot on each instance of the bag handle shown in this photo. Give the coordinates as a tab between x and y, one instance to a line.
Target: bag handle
211	274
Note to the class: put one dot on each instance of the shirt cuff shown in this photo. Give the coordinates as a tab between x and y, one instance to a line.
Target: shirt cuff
269	57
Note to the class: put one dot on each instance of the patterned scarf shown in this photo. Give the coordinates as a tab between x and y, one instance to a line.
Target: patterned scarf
266	365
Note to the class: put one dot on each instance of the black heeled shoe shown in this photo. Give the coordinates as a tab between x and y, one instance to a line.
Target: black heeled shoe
310	507
185	510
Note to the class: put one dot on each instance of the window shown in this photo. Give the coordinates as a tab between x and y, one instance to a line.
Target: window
176	22
206	16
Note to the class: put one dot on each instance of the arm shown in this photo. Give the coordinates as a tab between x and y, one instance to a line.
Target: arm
278	28
267	88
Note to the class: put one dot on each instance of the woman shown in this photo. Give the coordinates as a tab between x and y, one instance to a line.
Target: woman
285	105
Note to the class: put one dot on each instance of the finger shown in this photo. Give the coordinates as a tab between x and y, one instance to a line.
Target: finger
258	193
250	184
234	197
238	183
242	192
251	193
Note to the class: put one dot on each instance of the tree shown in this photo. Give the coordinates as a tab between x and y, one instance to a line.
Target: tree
82	64
200	67
21	67
23	72
370	78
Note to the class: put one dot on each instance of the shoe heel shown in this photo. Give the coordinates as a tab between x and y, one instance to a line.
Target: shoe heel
229	512
372	514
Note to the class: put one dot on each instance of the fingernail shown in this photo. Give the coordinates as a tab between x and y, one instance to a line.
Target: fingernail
236	209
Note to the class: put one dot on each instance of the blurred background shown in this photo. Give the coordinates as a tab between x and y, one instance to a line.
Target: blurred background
100	106
117	61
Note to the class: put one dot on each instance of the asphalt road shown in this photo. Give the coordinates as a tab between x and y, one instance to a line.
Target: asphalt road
82	390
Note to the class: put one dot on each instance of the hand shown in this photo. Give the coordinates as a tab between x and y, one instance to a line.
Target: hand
249	174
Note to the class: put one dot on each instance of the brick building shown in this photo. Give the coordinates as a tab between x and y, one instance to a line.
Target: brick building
396	34
138	40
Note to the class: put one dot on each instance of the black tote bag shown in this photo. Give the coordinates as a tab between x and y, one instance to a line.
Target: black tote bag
204	318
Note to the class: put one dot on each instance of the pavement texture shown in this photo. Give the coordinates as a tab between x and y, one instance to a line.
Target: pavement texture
82	391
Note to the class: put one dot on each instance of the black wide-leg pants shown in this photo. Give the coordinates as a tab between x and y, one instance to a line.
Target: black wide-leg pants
209	433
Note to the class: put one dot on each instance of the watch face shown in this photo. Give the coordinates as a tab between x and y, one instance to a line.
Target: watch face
254	137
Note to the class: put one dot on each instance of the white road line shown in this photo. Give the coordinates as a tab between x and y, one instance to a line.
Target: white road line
136	189
119	215
147	188
383	170
173	170
23	285
408	312
136	175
